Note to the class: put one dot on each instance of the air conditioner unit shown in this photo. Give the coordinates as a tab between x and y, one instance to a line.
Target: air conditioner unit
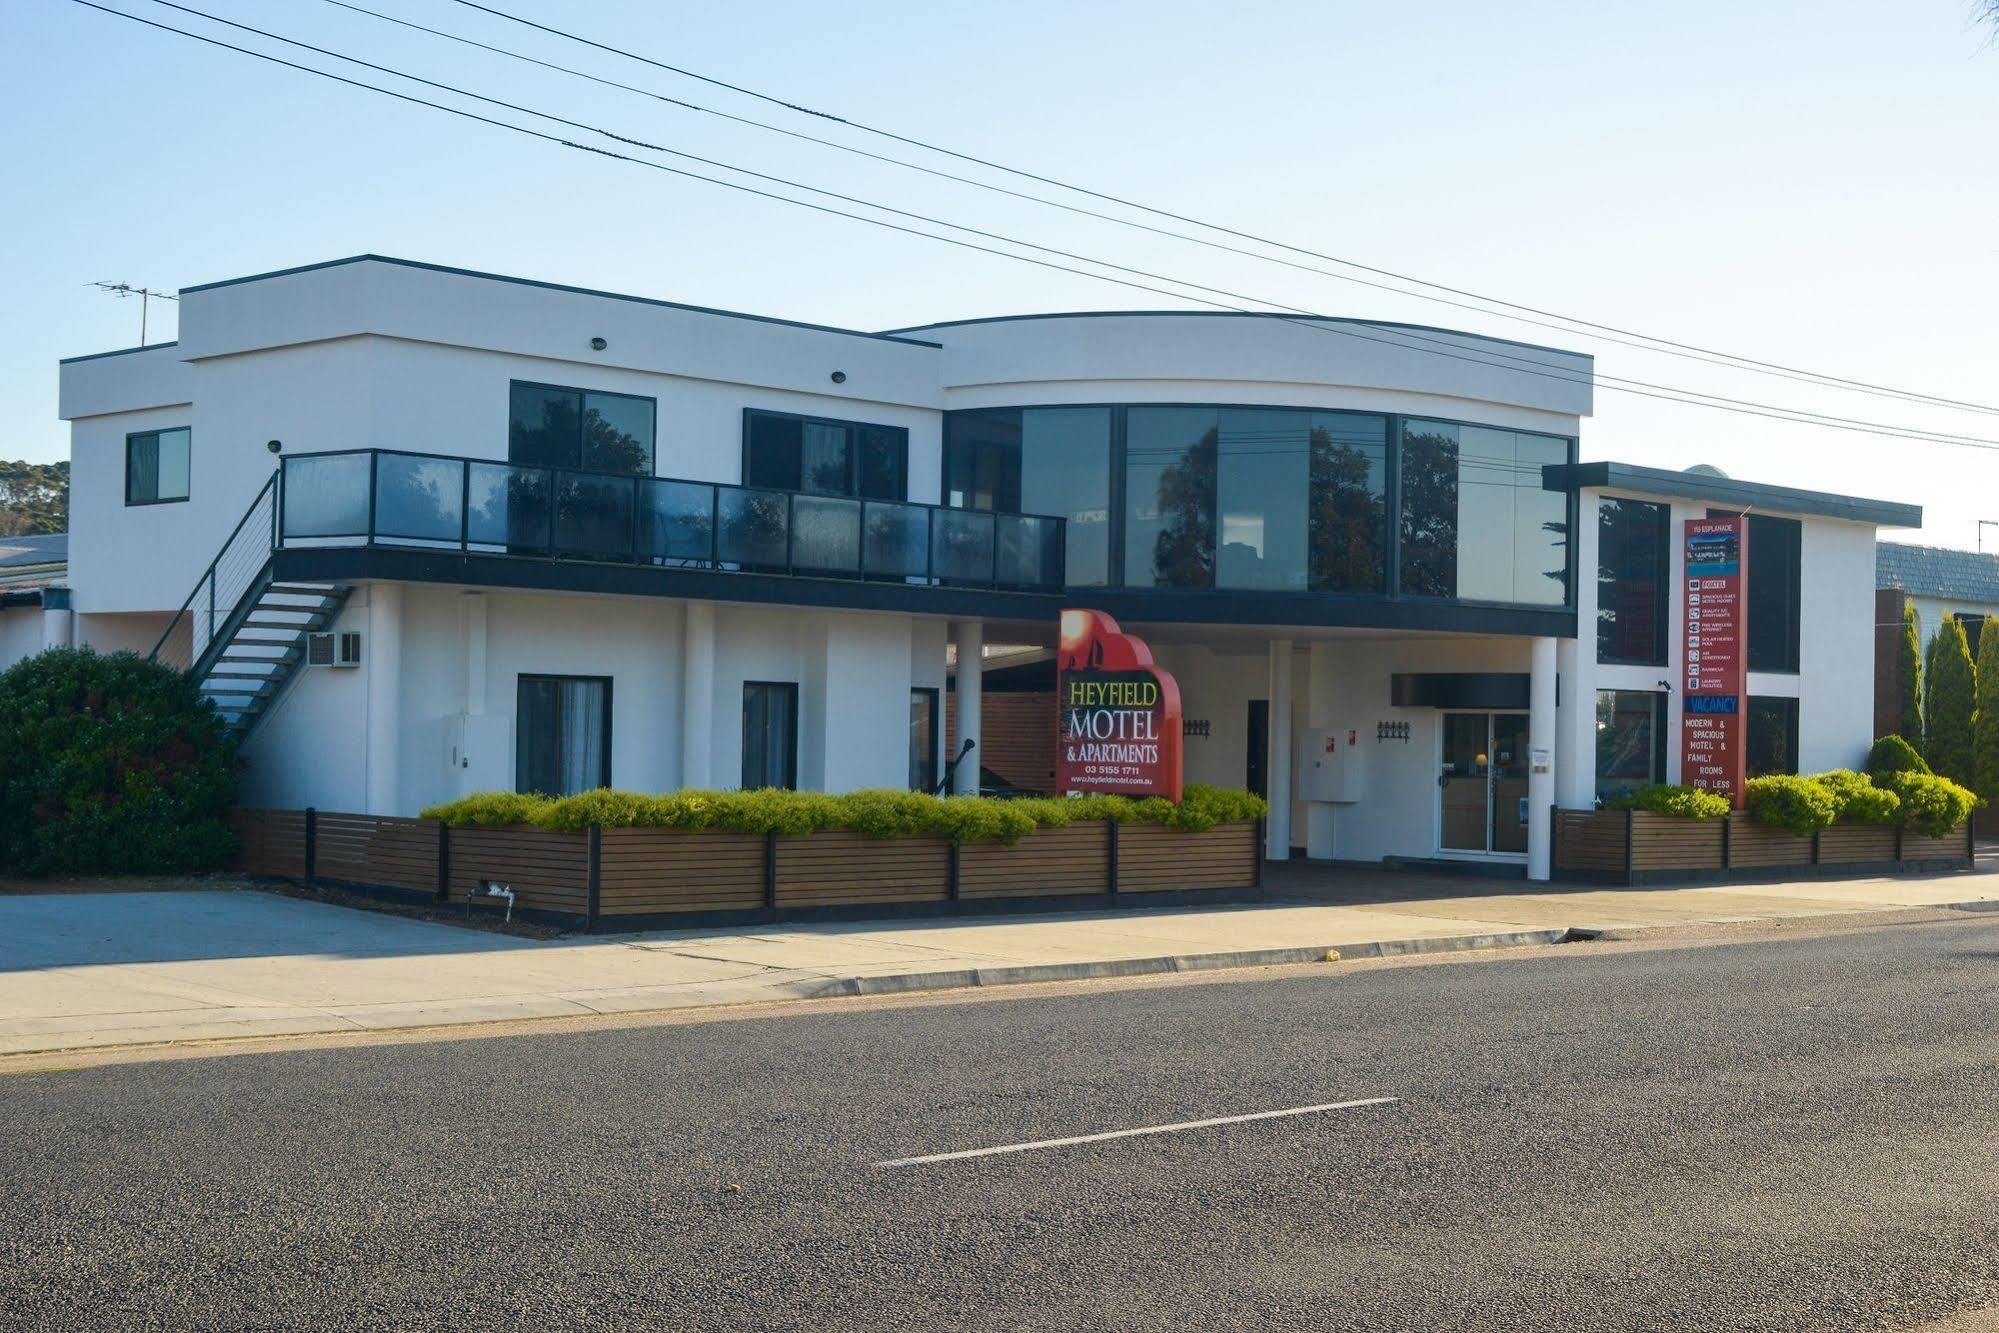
328	649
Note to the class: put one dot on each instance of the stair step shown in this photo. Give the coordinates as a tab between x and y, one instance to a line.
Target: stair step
243	675
290	644
306	589
308	626
237	691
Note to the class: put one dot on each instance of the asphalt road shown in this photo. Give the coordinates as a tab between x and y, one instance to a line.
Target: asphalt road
1798	1133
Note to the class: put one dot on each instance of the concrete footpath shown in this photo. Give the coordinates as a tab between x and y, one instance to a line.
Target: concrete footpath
82	970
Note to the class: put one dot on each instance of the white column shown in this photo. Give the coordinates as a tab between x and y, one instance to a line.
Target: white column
1575	725
970	636
1277	829
385	692
1320	684
1540	757
58	621
697	696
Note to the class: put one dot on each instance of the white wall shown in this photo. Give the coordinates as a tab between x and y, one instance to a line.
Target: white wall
20	633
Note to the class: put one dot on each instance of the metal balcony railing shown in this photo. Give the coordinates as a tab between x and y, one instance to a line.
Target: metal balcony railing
388	497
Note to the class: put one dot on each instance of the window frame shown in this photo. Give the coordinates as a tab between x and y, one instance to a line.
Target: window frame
1660	725
1793	644
1663	578
1794	711
933	699
789	689
652	448
853	491
521	679
155	433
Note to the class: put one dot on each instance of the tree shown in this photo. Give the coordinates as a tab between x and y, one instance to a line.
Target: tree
1949	703
34	498
1910	727
1985	722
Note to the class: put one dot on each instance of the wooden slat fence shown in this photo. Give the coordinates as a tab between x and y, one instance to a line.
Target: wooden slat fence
1635	846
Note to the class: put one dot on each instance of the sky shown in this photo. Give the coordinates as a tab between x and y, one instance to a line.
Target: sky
1810	184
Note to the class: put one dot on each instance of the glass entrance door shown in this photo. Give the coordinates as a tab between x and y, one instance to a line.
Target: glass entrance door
1483	783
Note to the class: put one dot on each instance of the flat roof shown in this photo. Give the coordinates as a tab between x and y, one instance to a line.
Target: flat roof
1245	314
1728	493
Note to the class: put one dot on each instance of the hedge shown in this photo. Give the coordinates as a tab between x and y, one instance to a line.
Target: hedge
1857	800
1662	798
1796	805
1932	805
1894	754
875	813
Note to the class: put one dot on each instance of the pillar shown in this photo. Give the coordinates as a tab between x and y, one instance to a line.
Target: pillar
1321	685
970	637
385	691
697	696
1575	726
1277	829
58	620
1540	757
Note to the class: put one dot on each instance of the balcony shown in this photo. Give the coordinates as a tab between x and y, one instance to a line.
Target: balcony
469	506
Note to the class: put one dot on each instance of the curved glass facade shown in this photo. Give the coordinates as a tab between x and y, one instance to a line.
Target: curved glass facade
1276	499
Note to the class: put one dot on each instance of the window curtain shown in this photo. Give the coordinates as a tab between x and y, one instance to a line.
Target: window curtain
582	731
144	467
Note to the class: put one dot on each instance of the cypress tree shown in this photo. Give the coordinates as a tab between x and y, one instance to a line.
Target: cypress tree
1910	728
1985	722
1949	701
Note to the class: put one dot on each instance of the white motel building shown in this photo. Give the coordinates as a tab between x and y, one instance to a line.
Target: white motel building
423	532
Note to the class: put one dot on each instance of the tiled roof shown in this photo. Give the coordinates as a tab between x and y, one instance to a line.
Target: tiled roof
1937	571
48	549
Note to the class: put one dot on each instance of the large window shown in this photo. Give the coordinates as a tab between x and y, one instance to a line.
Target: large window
1300	500
922	739
1476	523
562	734
824	457
1630	741
1772	741
551	426
1632	553
156	466
1169	496
770	734
1038	460
1774	571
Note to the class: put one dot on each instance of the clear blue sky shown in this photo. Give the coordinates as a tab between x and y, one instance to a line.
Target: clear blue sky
1814	184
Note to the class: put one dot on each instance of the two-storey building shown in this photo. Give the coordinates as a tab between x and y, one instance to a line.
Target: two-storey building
422	532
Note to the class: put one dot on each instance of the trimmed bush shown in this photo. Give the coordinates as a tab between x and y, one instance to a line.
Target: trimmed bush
1985	721
110	764
1858	800
1949	703
1910	723
1932	805
1796	805
874	813
1891	755
1661	798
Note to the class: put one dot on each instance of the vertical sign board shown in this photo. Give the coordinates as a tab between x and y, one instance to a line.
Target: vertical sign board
1716	675
1120	729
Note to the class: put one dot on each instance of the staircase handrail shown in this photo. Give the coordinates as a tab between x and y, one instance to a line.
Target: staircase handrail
208	575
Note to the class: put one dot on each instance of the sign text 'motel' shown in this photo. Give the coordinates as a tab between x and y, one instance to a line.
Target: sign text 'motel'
1120	728
1716	679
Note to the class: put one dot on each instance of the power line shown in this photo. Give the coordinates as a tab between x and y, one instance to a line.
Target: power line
1706	353
1403	339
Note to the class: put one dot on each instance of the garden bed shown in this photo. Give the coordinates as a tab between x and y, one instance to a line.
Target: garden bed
1644	847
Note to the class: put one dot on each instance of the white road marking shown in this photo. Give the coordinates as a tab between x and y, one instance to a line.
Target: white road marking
1133	1133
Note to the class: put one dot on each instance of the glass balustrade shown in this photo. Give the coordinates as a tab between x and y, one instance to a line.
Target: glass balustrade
428	501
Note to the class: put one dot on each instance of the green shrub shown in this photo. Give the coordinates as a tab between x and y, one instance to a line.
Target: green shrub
1857	799
874	813
1664	799
110	764
1985	720
1949	703
1797	805
1910	719
1932	805
1891	755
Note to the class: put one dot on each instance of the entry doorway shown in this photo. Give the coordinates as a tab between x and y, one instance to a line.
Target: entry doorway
1482	785
1256	770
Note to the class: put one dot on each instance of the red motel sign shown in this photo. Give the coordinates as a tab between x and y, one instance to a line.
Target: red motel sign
1715	679
1119	727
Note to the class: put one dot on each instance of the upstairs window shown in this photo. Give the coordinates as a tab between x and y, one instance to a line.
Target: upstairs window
551	426
1476	522
1775	569
1632	550
823	456
156	466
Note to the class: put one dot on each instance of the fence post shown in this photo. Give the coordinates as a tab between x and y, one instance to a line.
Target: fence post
443	862
953	869
1110	830
770	871
1630	843
1815	845
1728	841
311	841
594	901
1258	852
1898	844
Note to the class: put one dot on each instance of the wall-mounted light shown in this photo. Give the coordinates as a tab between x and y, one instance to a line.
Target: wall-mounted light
598	344
839	377
275	446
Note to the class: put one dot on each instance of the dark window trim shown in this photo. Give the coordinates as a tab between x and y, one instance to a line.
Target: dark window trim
1659	725
652	448
934	697
853	490
522	677
1662	633
1795	708
130	436
791	692
1391	486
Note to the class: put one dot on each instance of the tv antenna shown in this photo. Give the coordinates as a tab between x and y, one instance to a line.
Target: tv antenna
146	296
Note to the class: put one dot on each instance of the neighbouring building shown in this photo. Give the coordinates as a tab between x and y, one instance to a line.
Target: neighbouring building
34	605
422	532
1938	582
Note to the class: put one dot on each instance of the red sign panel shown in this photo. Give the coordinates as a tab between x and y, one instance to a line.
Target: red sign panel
1120	714
1716	674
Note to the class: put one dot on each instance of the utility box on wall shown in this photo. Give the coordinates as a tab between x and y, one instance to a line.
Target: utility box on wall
481	754
1330	766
